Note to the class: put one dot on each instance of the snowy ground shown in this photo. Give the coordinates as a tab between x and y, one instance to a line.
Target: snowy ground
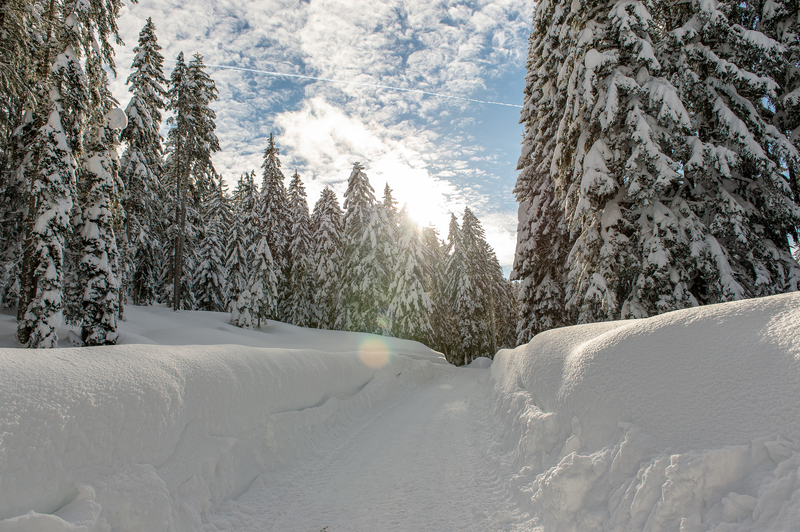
688	421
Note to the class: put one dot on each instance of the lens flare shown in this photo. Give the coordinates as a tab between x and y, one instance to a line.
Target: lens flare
374	353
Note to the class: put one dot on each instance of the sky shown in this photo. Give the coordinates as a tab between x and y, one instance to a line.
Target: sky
426	95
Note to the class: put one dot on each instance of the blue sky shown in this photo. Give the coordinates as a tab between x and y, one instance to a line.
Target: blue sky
438	154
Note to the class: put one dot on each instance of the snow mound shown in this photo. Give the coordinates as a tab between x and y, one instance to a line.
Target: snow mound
685	421
143	437
480	363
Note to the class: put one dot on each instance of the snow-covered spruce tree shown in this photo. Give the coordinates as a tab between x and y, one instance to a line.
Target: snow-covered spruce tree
465	344
777	20
542	233
241	311
734	160
52	172
41	294
190	144
141	168
252	279
21	47
387	236
238	238
275	217
262	283
435	265
98	268
300	285
478	339
670	173
364	280
326	223
13	204
210	275
409	304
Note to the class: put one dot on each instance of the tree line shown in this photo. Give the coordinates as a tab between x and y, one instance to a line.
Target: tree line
86	230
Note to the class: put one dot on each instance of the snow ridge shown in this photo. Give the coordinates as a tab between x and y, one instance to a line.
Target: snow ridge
158	437
681	421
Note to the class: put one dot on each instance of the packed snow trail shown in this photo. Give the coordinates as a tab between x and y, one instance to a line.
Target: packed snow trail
413	464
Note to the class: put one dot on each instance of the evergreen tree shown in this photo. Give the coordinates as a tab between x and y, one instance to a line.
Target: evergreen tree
211	274
300	287
190	144
53	180
468	331
140	169
441	317
98	269
542	234
474	296
41	294
409	304
326	222
262	283
275	215
666	162
236	258
363	277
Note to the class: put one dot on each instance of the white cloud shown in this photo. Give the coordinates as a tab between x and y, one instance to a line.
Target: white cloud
423	146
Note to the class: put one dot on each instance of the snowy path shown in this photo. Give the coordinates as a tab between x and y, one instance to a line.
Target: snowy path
413	465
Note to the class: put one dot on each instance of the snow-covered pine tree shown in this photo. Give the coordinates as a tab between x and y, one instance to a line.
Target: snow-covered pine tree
409	304
190	144
25	58
41	294
300	283
361	267
435	265
388	238
53	188
275	215
237	259
390	206
326	221
476	304
210	276
141	168
465	343
734	199
241	311
262	283
252	278
98	268
668	167
542	233
14	170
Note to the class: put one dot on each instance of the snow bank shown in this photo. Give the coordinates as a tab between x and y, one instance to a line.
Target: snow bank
685	421
143	437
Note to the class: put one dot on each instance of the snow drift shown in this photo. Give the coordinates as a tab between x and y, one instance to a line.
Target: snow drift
685	421
142	437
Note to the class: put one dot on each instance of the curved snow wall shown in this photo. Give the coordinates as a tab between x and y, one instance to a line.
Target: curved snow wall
139	437
685	421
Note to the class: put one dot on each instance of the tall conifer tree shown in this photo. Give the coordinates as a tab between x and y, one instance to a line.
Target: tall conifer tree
300	282
326	221
409	304
141	168
275	218
363	277
190	144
